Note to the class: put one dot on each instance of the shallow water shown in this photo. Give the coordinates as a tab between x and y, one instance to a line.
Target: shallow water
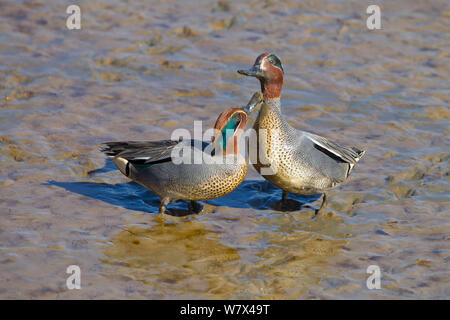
138	70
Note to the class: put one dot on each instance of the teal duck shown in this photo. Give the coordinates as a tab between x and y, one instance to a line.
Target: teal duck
300	162
151	163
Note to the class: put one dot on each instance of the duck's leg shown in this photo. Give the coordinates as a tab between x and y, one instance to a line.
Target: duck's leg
164	202
323	207
194	207
284	196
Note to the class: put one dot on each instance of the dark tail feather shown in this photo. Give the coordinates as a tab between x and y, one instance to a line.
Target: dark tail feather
359	152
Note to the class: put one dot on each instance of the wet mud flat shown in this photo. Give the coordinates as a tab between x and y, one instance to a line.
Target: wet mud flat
137	71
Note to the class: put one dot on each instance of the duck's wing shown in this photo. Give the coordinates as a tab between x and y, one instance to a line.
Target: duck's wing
350	155
147	152
142	152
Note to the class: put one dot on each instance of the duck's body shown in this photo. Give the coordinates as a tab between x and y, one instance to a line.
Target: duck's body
184	181
294	160
302	162
152	163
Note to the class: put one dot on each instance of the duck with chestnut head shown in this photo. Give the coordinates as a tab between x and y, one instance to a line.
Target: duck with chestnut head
300	162
151	163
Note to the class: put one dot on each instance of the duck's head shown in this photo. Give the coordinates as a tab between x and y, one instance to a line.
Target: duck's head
229	127
268	69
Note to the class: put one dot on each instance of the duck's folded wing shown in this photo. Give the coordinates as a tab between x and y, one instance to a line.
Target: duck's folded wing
142	152
350	155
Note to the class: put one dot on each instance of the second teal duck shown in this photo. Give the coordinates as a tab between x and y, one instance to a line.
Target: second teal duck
300	162
151	164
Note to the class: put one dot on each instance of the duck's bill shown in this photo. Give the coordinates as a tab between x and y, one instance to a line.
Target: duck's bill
252	72
254	101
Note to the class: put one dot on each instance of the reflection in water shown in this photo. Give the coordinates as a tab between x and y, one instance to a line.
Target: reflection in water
185	259
178	258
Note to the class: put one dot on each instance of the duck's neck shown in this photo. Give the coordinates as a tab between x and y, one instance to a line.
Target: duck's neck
274	103
271	91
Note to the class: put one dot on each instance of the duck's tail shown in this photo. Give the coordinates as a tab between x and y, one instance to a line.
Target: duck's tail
111	150
359	152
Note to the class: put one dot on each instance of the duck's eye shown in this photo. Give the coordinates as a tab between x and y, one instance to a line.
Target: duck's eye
271	61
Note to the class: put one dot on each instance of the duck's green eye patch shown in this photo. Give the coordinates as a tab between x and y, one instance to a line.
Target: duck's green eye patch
273	59
229	129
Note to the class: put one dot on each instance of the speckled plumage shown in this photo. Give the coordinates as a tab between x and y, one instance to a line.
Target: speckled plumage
151	165
300	162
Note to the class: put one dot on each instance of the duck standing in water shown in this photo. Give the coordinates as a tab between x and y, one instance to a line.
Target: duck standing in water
300	162
150	163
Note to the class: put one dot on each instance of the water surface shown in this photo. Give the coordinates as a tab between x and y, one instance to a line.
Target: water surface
140	69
